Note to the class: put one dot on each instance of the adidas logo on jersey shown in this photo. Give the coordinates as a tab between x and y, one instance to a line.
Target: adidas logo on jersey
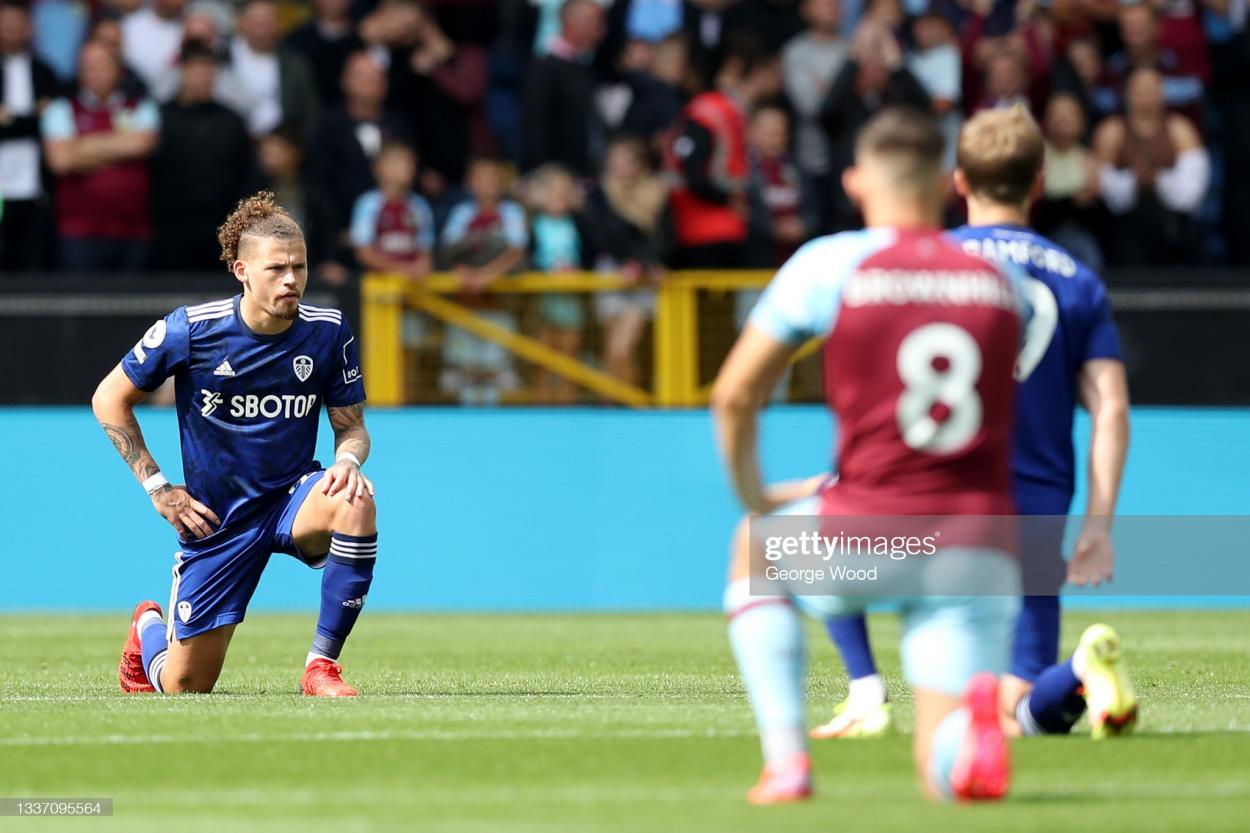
224	369
355	603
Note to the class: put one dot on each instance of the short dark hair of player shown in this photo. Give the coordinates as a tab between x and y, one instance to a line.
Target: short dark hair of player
1001	153
259	217
905	143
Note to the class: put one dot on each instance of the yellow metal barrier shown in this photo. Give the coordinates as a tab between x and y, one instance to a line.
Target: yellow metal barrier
676	330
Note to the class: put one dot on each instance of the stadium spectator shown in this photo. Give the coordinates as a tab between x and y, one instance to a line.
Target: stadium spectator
392	225
938	67
1140	29
326	42
659	91
560	117
1006	81
97	144
1066	211
268	84
484	238
27	85
344	146
437	82
558	243
631	229
772	21
108	31
706	157
781	212
1079	73
280	157
1153	173
874	78
810	62
201	169
151	40
60	30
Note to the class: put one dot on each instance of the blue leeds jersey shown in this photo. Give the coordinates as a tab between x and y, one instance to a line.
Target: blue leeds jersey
1071	324
248	403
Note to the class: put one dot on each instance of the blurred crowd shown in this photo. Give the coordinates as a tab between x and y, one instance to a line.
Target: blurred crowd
625	136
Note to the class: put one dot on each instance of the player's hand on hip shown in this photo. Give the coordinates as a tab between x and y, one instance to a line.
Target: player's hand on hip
1093	559
346	477
187	515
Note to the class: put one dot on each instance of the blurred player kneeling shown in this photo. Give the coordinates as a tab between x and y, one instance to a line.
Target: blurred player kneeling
922	384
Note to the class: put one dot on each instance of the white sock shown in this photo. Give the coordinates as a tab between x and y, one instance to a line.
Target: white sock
146	619
868	691
312	655
1078	664
767	639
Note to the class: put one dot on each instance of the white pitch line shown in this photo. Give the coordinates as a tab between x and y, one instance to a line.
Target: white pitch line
316	737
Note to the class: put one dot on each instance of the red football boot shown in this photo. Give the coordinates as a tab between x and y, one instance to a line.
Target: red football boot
784	783
982	770
130	671
324	678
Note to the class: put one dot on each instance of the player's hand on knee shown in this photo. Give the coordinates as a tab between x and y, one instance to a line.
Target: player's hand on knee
187	515
346	477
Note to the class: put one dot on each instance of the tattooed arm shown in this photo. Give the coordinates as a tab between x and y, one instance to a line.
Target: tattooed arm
351	440
114	406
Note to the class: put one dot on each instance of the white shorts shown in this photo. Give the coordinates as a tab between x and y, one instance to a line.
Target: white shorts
946	638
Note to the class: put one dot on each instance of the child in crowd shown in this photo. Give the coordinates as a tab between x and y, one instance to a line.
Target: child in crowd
558	244
392	226
281	159
632	228
485	238
781	212
779	221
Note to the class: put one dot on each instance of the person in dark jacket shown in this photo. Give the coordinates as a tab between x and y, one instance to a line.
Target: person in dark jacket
27	84
874	78
630	229
326	41
344	146
560	121
201	168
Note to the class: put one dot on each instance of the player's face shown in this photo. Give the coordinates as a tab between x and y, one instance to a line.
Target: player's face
275	275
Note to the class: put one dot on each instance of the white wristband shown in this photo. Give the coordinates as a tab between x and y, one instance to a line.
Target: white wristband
156	481
347	455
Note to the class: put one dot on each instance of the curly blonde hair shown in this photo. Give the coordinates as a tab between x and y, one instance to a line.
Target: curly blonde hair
259	217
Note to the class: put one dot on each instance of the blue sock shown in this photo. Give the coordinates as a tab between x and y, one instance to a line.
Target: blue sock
850	634
344	587
767	640
154	643
1055	704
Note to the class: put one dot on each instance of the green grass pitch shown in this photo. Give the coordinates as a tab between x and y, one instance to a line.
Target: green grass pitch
575	723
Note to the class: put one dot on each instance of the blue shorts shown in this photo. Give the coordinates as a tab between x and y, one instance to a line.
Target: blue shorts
1036	643
214	579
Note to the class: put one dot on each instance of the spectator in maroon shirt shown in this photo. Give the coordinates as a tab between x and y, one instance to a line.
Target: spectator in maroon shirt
98	144
780	214
1141	30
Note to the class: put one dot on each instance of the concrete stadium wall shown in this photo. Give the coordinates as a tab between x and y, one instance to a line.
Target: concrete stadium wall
583	509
